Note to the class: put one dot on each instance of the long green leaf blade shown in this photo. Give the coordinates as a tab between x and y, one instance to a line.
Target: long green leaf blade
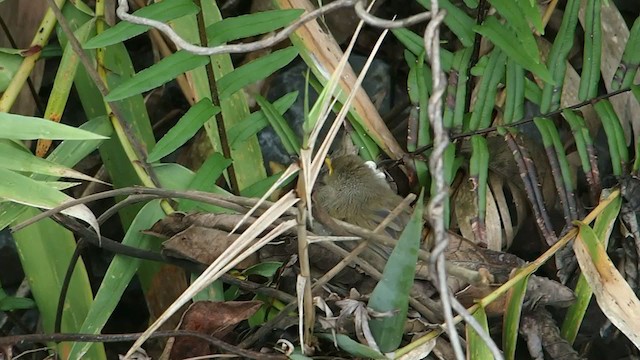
161	11
160	73
185	129
392	292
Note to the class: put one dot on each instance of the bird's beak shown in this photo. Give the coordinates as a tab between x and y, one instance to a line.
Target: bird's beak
327	162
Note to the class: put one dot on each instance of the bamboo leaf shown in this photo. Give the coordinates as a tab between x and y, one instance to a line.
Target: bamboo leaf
160	73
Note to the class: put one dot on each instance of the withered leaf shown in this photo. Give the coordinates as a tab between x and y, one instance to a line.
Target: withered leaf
203	245
212	318
177	222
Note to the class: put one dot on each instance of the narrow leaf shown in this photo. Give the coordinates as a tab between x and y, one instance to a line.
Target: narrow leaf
160	73
280	125
256	70
476	347
234	28
613	294
392	292
160	11
20	127
184	130
14	158
23	190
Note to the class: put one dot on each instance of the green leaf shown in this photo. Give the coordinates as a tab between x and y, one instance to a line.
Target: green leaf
503	38
575	314
234	28
615	135
16	158
260	187
392	292
66	72
454	111
23	190
419	84
582	137
10	303
45	249
280	126
118	276
160	73
511	321
477	348
20	127
531	12
352	347
185	129
414	43
493	73
479	170
116	160
256	70
205	180
266	269
246	155
516	20
173	176
558	55
590	75
160	11
68	153
630	61
258	121
456	20
10	64
515	83
213	292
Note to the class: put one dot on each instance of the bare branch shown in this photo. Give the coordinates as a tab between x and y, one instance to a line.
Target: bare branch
123	13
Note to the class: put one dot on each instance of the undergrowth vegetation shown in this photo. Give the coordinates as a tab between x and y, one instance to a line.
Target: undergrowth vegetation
190	180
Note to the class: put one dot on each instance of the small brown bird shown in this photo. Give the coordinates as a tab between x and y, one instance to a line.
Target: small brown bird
354	192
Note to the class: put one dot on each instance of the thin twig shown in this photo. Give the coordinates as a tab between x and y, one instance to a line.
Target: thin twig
525	120
236	203
66	282
33	338
365	16
308	310
118	248
530	181
436	167
123	9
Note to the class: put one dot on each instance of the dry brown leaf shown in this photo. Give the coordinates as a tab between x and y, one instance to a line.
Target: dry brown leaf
178	221
493	222
327	54
496	184
210	318
166	285
614	296
203	245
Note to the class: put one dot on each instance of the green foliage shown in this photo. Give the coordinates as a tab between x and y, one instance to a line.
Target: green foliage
514	70
391	296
